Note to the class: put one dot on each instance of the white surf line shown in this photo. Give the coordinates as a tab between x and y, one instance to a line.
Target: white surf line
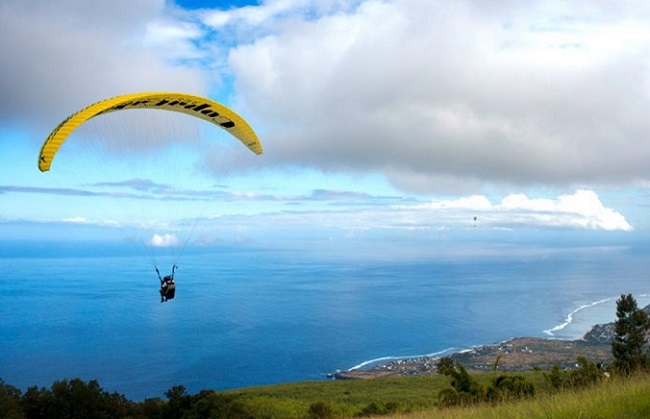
397	358
569	318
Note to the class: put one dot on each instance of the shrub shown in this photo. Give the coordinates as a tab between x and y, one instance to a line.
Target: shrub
320	410
513	387
587	373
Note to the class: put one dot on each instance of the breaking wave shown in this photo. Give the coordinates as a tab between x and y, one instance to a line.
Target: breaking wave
385	359
570	317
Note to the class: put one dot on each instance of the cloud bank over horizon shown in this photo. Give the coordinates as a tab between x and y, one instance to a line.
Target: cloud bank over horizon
582	210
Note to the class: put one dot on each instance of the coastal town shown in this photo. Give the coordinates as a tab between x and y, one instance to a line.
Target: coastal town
518	354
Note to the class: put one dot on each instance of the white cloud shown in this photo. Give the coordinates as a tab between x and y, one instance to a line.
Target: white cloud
164	240
61	56
581	210
80	220
475	202
176	38
272	12
512	94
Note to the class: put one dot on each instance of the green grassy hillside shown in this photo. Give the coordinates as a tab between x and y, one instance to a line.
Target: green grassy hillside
416	398
403	398
344	398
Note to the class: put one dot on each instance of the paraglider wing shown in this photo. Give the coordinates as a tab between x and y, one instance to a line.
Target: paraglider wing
197	106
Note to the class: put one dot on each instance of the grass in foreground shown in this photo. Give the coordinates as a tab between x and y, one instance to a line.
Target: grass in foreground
612	398
344	398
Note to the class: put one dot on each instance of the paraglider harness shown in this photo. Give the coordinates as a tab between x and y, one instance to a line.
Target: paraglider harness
167	285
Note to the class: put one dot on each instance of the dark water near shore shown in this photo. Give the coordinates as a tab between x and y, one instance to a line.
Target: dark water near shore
247	316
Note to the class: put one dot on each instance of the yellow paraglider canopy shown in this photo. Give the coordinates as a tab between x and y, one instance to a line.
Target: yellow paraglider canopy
197	106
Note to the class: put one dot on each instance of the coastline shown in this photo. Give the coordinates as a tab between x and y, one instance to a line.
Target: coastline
517	354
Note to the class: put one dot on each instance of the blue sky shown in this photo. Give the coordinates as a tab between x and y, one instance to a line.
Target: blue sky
381	120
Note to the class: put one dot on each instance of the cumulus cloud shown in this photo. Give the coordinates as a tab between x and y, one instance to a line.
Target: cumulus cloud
454	93
580	210
164	240
59	57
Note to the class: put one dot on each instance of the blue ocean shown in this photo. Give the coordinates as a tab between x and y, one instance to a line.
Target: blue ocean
247	316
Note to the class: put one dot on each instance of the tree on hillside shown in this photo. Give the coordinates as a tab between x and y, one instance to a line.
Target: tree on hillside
10	401
631	328
465	389
461	381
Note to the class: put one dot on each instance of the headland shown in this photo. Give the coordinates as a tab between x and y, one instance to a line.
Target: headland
517	354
